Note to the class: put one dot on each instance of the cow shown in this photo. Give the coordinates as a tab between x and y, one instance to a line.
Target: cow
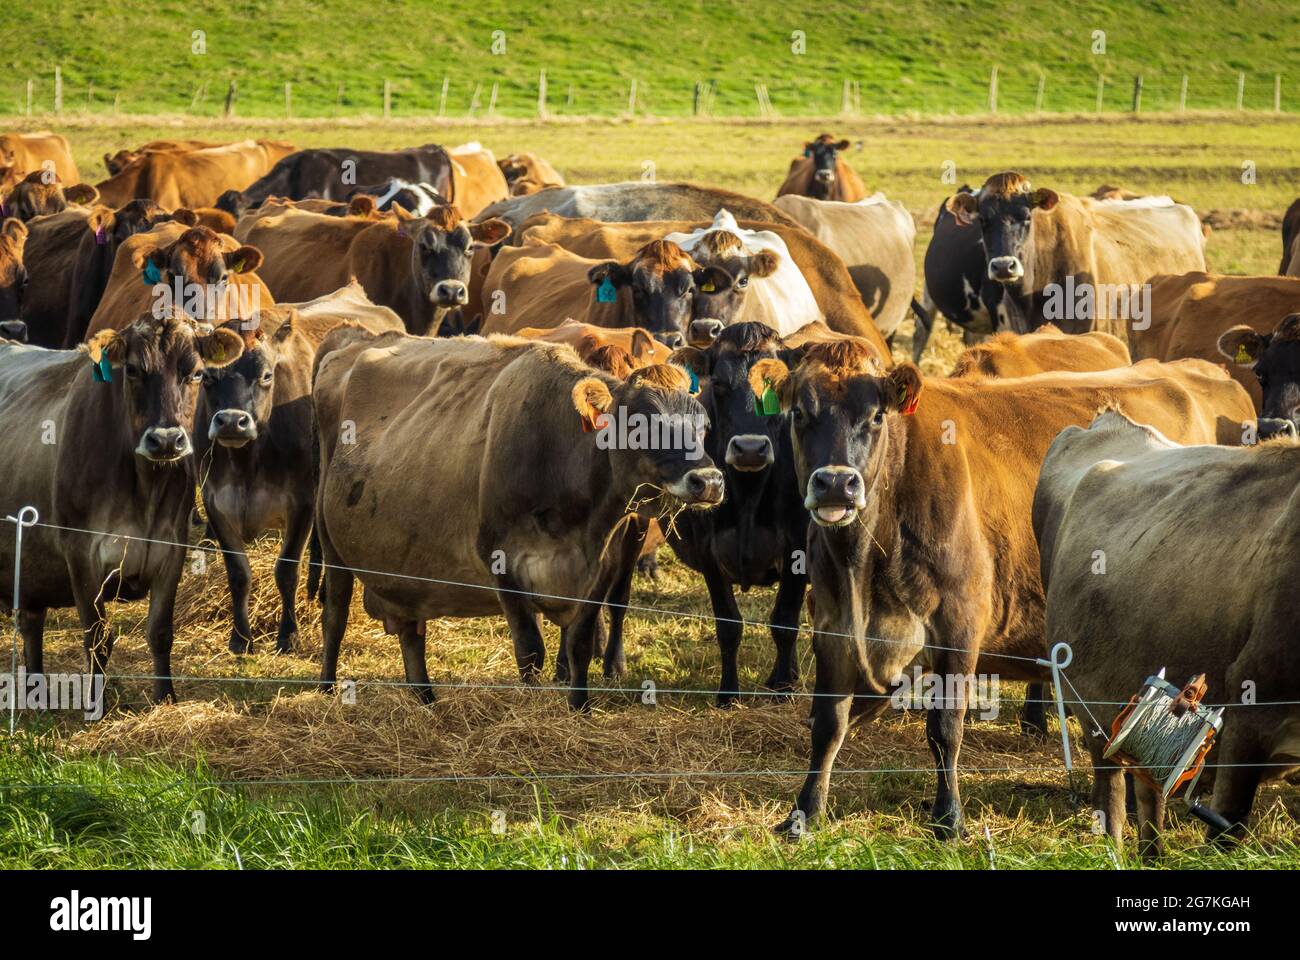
1191	311
503	429
825	273
921	551
635	200
115	163
255	444
13	273
416	198
1077	262
1290	266
874	237
956	284
41	194
14	330
476	180
528	173
543	285
1045	350
71	256
1161	605
207	275
632	347
417	266
115	492
821	173
23	153
1274	358
332	173
192	178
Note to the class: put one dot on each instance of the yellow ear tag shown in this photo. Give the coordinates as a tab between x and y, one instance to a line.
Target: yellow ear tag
238	265
708	288
1242	356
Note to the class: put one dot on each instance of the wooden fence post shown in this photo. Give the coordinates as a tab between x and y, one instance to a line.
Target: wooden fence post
1277	93
492	100
1137	93
541	94
58	90
388	98
1241	90
231	93
1182	96
1038	97
442	101
993	90
631	97
1101	89
288	99
29	98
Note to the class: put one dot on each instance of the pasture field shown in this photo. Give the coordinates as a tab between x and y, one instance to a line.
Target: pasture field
255	768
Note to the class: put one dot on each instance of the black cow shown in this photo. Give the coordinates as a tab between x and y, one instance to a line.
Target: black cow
1275	358
333	174
417	198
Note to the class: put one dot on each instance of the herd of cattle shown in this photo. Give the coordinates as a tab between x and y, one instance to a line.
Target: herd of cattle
411	362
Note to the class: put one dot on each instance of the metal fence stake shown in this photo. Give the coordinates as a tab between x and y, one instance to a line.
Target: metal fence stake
27	517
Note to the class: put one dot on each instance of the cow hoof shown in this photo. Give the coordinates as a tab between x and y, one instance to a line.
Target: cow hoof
240	644
615	671
793	828
784	689
949	826
579	702
426	695
726	700
284	645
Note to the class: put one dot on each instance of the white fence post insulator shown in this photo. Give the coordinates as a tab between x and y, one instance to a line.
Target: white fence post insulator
1060	657
27	517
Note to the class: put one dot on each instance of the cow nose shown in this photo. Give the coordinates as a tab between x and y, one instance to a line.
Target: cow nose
13	330
825	176
704	332
164	444
749	452
450	293
703	485
1006	269
672	339
232	427
835	494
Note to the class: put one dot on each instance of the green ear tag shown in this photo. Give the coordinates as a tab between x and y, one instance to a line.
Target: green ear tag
771	403
1242	356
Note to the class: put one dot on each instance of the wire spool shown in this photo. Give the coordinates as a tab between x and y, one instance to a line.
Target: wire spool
1164	733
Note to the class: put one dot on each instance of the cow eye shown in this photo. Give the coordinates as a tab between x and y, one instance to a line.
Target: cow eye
742	282
195	377
267	377
878	417
799	417
132	372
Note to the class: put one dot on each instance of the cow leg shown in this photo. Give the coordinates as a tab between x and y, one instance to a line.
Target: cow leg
161	626
925	318
287	566
628	559
530	651
729	630
417	668
1151	819
97	637
31	624
1236	781
239	574
1033	716
336	600
832	705
785	630
1108	791
944	727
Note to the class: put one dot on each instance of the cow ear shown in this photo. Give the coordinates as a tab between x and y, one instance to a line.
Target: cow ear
712	279
642	344
842	145
591	397
1242	345
611	270
362	205
101	218
243	260
107	343
1045	199
287	327
490	232
903	388
187	217
220	347
15	231
692	359
764	263
964	207
82	193
772	374
403	216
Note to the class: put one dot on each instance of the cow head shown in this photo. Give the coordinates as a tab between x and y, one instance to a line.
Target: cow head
233	203
661	457
442	250
1275	358
824	153
115	163
13	275
1004	208
198	259
615	360
239	394
41	193
722	282
662	281
843	408
159	365
111	227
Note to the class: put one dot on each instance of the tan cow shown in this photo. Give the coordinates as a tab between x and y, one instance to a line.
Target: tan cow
635	347
193	178
1074	261
527	173
822	174
115	163
24	153
1044	350
1190	311
41	193
476	180
215	275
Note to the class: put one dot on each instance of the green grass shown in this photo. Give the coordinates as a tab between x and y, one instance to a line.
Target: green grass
924	56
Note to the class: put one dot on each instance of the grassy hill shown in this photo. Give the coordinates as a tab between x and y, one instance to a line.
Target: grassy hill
926	56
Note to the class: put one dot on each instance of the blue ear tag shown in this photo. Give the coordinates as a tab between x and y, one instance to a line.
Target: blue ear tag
102	371
695	381
151	274
606	293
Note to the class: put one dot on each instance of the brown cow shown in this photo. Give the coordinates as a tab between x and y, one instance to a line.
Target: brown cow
13	272
23	153
476	180
1044	350
115	163
207	275
1291	241
417	266
634	345
254	440
822	174
41	194
892	465
193	178
1191	311
827	277
116	491
501	428
527	173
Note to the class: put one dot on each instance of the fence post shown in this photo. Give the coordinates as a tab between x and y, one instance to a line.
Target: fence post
1038	98
541	94
631	97
844	97
90	94
1277	93
442	101
1137	93
29	98
1182	96
568	103
338	101
231	93
993	90
473	101
58	90
1241	89
1101	89
492	100
117	103
27	517
388	98
288	99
